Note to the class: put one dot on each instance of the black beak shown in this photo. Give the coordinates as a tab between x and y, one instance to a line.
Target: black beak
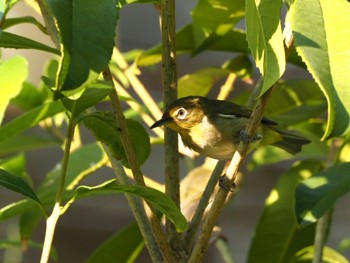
161	122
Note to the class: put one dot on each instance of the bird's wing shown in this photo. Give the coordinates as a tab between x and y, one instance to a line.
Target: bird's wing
232	110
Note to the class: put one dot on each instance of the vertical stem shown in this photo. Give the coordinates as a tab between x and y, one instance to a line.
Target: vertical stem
135	168
53	218
169	75
321	236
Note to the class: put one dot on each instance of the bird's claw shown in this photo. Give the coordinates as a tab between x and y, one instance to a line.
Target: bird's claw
226	184
246	138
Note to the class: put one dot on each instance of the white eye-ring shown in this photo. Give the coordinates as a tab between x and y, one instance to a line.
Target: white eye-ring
181	113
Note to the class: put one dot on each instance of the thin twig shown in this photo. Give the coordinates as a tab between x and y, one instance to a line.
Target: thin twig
137	208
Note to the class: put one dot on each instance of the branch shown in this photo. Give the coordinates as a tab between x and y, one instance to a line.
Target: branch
169	76
136	170
53	218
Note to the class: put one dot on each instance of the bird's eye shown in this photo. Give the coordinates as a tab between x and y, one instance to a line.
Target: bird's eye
181	113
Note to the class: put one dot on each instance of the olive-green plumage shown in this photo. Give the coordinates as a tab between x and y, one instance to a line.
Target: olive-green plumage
213	127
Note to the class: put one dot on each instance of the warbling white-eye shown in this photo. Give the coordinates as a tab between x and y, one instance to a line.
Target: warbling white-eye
215	127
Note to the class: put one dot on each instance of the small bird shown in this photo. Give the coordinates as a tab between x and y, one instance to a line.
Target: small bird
215	127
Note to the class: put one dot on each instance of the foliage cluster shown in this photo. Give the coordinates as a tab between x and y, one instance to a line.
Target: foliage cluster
86	68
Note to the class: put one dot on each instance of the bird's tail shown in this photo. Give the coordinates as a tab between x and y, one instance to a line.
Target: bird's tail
291	142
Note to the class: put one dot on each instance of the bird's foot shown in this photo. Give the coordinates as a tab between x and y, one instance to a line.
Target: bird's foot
246	138
226	184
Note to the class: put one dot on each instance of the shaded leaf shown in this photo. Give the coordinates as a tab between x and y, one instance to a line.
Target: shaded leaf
28	223
30	119
9	40
325	52
123	246
264	35
9	22
17	184
103	126
28	98
316	195
32	244
22	143
234	41
13	73
158	199
279	214
295	101
212	18
87	31
82	162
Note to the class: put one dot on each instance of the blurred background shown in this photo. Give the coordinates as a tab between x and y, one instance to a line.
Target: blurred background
90	221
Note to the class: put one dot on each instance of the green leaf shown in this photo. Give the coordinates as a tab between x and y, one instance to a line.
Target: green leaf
17	184
158	199
103	126
94	93
4	244
318	194
325	52
13	73
264	35
9	40
279	214
30	119
295	101
241	66
123	246
82	162
28	98
16	165
200	82
233	41
212	18
87	31
22	143
329	256
28	223
9	22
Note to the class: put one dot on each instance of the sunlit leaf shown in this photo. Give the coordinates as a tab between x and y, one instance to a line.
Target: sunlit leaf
30	119
264	35
326	53
13	73
329	255
200	82
279	214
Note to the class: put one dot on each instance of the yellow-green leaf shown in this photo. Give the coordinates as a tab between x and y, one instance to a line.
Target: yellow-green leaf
322	38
